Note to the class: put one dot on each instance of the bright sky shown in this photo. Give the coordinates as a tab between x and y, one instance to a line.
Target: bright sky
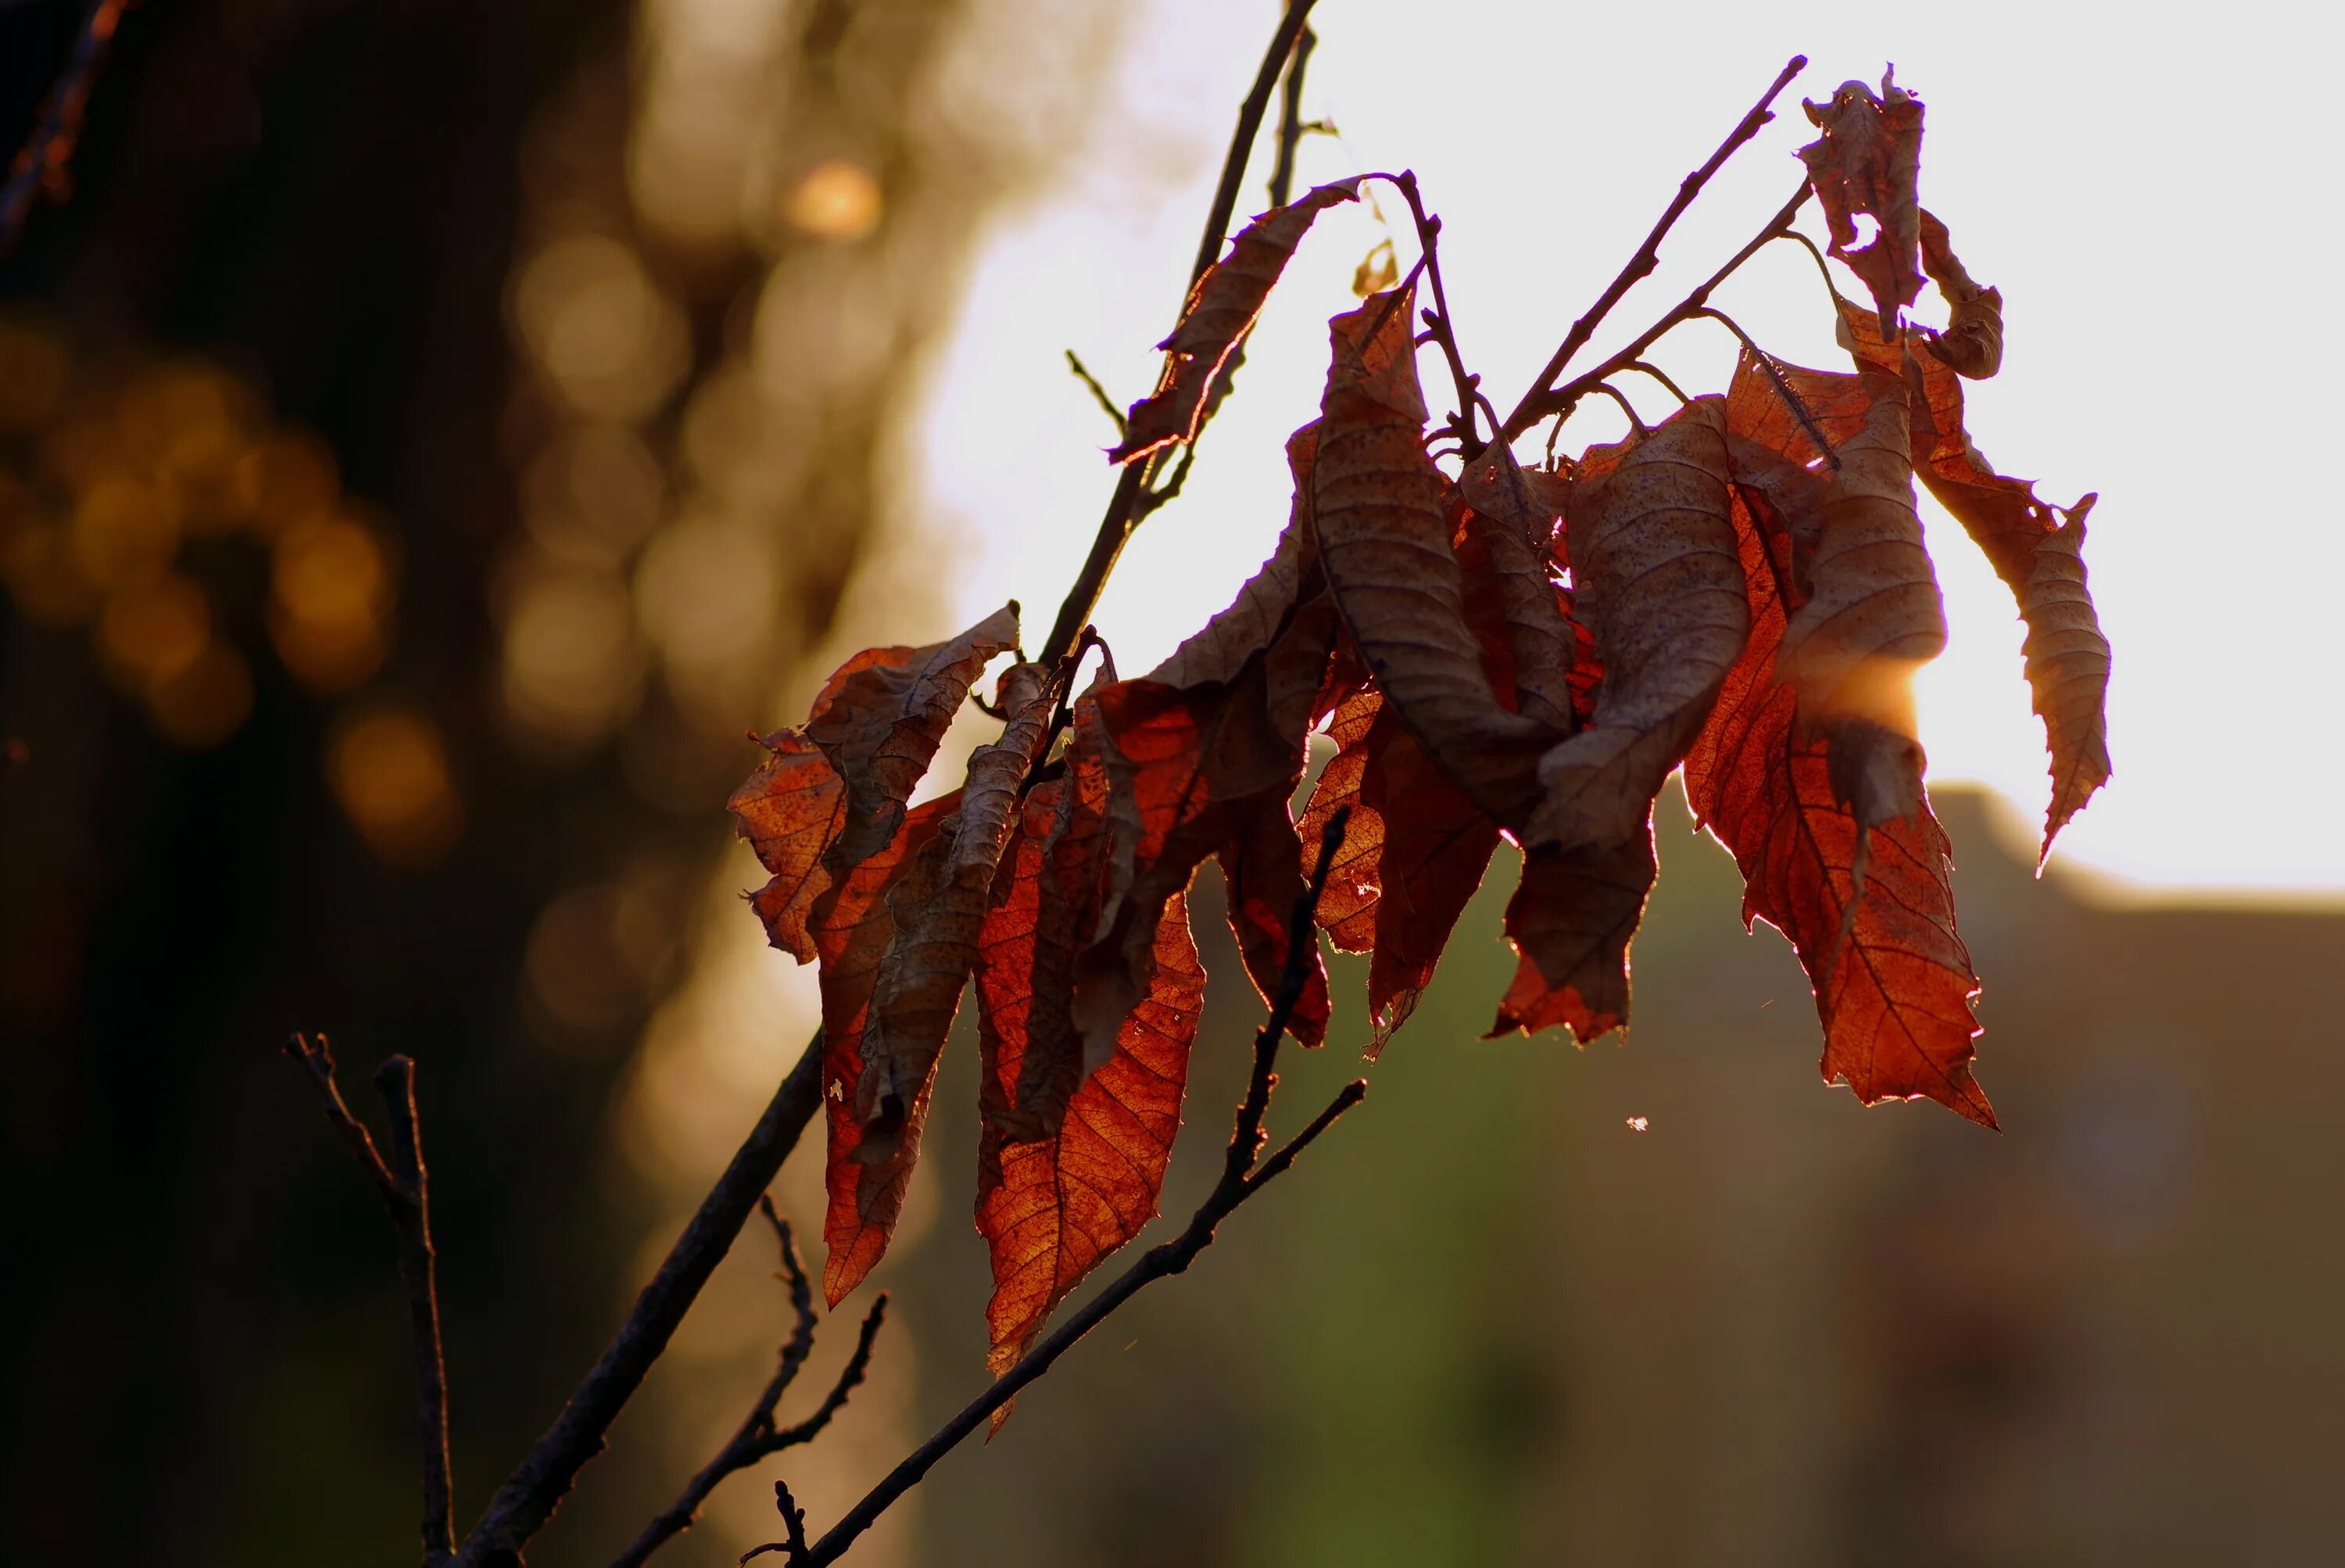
2156	200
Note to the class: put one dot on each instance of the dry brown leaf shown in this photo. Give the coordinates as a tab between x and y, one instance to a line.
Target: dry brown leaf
790	810
1381	513
1868	161
1512	525
1571	919
851	926
1873	616
879	722
1972	344
1220	310
1658	578
938	908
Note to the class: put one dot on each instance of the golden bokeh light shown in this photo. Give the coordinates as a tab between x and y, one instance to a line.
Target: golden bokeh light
593	494
610	340
125	530
289	478
44	579
387	768
205	702
155	632
330	594
32	376
573	667
836	200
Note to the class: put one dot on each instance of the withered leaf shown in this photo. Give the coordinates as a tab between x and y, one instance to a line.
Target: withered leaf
1656	575
1868	161
879	722
851	925
1872	618
1571	918
1893	979
790	809
1972	344
2036	548
1381	515
1220	309
1050	1210
937	907
1505	539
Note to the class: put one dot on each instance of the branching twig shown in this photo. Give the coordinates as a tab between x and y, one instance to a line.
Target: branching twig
759	1434
1647	258
1123	508
1291	127
528	1498
794	1544
1241	1178
1436	319
405	1189
40	165
1098	392
1537	406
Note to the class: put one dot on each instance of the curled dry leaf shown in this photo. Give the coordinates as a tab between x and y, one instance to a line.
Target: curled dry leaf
790	809
851	925
1972	344
1220	309
2036	548
1893	979
1873	616
1660	581
1050	1210
1504	540
1868	161
880	719
937	909
1380	510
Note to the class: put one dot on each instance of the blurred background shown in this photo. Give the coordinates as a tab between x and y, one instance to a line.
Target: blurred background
431	436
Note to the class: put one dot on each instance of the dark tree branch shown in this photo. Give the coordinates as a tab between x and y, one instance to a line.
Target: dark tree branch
760	1433
794	1545
528	1498
1099	393
39	167
1438	320
1125	507
1241	1178
405	1187
1291	127
1538	405
1648	255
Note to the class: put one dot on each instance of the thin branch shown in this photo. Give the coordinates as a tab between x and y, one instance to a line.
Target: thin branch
1241	1178
1436	319
1636	420
39	167
1648	254
1291	128
1643	368
1131	484
528	1498
794	1545
1537	405
405	1187
1098	392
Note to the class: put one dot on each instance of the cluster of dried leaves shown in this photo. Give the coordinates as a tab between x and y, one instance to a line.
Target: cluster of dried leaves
1740	591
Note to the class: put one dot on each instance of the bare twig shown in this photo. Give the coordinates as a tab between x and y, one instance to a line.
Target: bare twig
794	1545
1436	319
529	1496
405	1187
1642	368
1098	392
1241	1178
1537	405
760	1434
1291	125
1648	254
1123	508
39	167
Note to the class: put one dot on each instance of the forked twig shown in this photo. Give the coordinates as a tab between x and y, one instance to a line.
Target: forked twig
1243	1174
405	1187
1648	254
760	1434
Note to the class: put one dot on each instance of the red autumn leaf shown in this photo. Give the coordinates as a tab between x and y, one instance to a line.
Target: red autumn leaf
1381	513
1505	541
790	810
851	927
1893	979
1220	311
1050	1210
1868	162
